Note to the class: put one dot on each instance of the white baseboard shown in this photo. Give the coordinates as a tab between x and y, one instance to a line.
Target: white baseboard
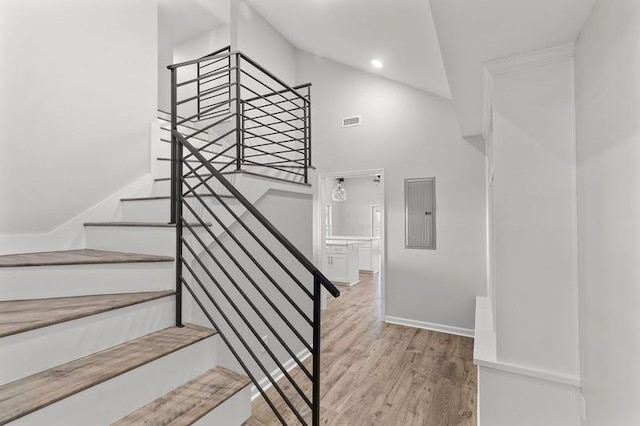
458	331
276	374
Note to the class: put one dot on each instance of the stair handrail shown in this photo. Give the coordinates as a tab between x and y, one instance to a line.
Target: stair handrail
248	59
309	266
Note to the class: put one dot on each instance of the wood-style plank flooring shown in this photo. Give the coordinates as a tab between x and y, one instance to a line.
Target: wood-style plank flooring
375	373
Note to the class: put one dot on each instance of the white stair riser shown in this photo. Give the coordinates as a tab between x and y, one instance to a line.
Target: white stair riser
163	187
23	355
158	210
135	239
38	282
109	401
234	411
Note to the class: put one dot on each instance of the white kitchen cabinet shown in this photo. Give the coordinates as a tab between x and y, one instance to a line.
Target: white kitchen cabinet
368	251
341	263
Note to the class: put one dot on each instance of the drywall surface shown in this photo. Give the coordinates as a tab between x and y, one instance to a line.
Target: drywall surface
608	153
507	399
264	44
352	217
410	134
78	89
534	219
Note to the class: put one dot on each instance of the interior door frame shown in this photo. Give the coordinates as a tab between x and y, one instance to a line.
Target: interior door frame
324	196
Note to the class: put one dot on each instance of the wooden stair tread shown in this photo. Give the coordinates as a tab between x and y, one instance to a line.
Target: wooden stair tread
189	402
18	316
29	394
140	224
77	257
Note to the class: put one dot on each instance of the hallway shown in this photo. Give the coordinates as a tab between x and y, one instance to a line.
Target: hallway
378	373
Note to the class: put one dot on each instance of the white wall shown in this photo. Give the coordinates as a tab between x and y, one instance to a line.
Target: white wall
353	216
410	134
77	91
534	201
263	43
608	142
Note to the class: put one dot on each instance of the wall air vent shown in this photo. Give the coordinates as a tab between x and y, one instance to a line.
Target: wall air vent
356	120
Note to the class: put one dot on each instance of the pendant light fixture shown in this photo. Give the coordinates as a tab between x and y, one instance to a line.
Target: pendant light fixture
339	194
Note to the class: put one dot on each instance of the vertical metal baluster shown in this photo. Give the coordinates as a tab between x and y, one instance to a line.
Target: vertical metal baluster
305	130
176	198
174	143
309	123
239	136
316	352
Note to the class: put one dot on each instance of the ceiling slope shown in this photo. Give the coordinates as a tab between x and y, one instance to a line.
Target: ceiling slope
400	33
472	32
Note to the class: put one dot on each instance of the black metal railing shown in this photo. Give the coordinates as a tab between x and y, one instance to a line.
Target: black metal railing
248	279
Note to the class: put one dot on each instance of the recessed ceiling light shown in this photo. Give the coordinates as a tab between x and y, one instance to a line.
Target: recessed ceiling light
377	63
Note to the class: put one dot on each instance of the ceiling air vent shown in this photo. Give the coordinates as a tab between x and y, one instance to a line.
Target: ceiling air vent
351	121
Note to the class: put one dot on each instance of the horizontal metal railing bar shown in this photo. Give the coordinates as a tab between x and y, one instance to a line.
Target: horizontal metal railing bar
256	117
206	75
270	103
226	48
242	223
306	263
263	153
217	73
298	87
259	145
272	76
276	122
211	115
286	160
228	343
286	270
273	133
268	126
203	59
275	168
218	155
207	127
203	65
184	120
206	92
252	106
250	327
283	162
247	275
276	335
217	95
215	142
232	158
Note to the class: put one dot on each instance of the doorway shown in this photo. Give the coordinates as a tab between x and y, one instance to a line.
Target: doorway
351	227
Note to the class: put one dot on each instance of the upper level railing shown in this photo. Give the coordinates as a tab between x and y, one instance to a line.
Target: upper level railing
248	279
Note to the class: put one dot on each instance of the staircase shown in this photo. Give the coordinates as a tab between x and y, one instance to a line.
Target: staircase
97	336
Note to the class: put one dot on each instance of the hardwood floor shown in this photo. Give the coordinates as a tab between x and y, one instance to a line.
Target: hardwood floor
375	373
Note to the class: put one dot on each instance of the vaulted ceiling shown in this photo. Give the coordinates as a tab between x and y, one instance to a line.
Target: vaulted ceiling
438	46
398	32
